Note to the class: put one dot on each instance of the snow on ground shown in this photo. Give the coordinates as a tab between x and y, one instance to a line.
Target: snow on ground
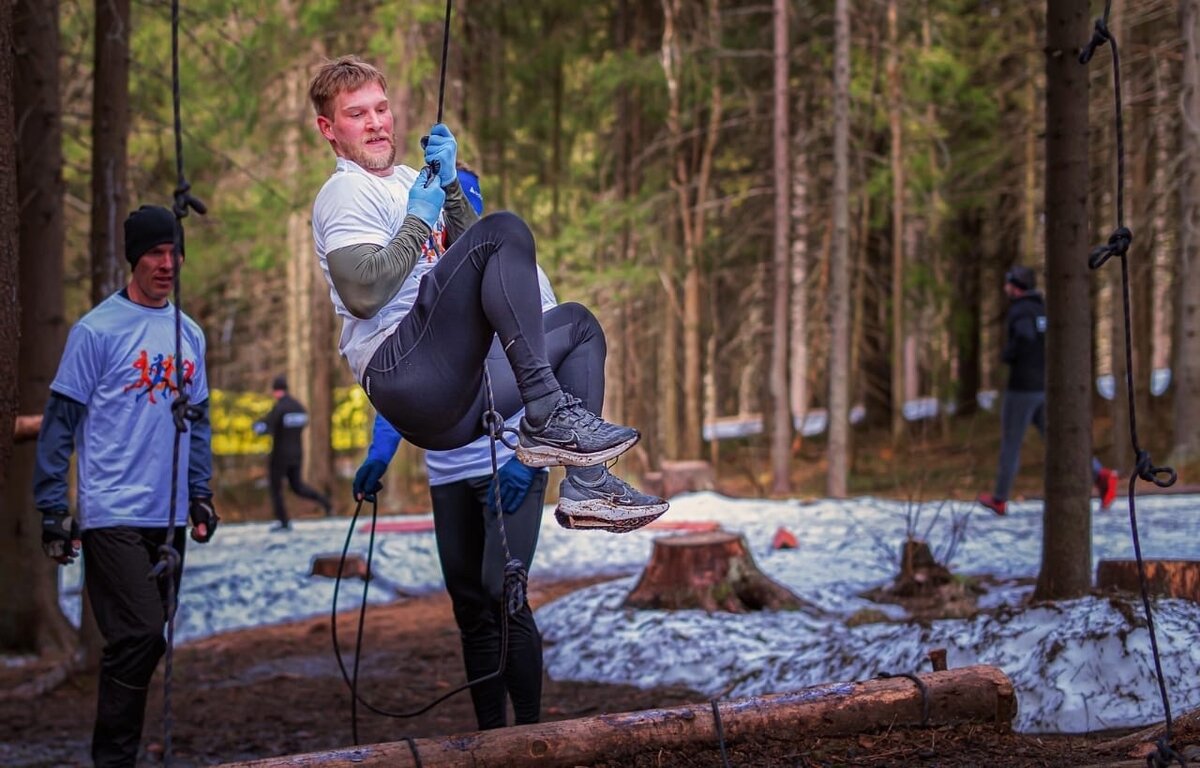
1077	666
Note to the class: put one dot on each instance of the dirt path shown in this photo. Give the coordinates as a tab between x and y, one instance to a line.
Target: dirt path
277	691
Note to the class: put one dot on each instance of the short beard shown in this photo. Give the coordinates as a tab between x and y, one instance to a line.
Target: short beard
374	162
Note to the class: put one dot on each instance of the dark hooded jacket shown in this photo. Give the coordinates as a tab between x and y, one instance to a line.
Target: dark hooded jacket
1025	343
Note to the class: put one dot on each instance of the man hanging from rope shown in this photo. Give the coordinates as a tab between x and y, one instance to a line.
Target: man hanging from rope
102	405
471	546
416	327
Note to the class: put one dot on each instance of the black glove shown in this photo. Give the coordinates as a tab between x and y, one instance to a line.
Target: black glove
60	536
202	513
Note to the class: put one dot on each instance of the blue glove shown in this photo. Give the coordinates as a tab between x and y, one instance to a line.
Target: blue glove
442	148
425	201
367	480
515	479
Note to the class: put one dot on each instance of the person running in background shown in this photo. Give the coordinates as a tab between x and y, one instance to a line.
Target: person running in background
416	331
1025	396
285	424
102	408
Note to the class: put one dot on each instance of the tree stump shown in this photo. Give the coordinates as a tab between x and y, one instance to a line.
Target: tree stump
920	573
713	571
1168	578
676	477
327	565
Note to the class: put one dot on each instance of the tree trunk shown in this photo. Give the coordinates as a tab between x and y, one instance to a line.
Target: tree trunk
978	694
110	133
839	299
30	619
896	131
1186	357
799	393
966	315
1066	544
10	311
712	571
781	420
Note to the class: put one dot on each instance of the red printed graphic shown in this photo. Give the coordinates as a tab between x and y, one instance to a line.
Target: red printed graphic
158	376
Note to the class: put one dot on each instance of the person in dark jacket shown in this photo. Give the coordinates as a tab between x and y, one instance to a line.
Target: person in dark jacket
285	423
1025	396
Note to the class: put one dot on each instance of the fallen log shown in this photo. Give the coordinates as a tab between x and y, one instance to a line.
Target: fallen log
979	694
26	427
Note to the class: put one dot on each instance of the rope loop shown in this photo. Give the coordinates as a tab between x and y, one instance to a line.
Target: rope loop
1164	756
183	411
924	689
493	426
168	562
184	200
1100	36
516	586
1163	477
1117	245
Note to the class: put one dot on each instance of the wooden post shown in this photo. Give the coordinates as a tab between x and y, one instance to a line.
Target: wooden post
712	571
26	427
978	694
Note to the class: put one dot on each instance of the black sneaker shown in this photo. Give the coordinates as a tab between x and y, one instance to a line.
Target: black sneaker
572	436
608	504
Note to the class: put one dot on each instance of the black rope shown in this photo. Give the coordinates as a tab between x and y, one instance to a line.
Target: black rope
445	55
1118	245
924	689
716	710
182	411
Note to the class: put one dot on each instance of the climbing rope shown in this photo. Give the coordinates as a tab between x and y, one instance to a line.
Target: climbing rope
515	586
716	710
182	410
1164	477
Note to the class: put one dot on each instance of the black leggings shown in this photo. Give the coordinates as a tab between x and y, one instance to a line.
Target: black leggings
472	557
427	377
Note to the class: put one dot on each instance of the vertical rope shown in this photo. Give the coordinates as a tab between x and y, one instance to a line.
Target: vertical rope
1118	245
181	410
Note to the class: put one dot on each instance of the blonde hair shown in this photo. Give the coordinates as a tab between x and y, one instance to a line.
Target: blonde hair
345	73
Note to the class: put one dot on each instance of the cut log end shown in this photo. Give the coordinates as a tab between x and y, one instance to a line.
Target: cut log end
1166	578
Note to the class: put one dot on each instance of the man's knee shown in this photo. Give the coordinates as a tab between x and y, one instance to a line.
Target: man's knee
511	227
132	660
585	326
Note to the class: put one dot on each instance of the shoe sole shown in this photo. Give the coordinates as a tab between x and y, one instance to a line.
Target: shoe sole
538	456
595	515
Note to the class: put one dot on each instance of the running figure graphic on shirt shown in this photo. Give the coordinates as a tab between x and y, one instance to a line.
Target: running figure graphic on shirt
157	375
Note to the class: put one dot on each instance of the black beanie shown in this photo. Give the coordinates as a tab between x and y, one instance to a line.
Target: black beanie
280	383
145	228
1022	277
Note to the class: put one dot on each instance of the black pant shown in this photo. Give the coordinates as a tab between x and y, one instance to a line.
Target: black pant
276	473
130	613
427	377
472	557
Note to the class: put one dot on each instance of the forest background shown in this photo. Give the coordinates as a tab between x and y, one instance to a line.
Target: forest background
772	207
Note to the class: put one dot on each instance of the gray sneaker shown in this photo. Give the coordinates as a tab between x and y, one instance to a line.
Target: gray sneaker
608	504
572	436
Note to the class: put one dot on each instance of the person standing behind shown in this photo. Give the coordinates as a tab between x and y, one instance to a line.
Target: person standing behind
469	543
103	406
285	424
1025	396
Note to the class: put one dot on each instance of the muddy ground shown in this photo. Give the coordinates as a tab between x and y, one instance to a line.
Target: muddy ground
276	691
